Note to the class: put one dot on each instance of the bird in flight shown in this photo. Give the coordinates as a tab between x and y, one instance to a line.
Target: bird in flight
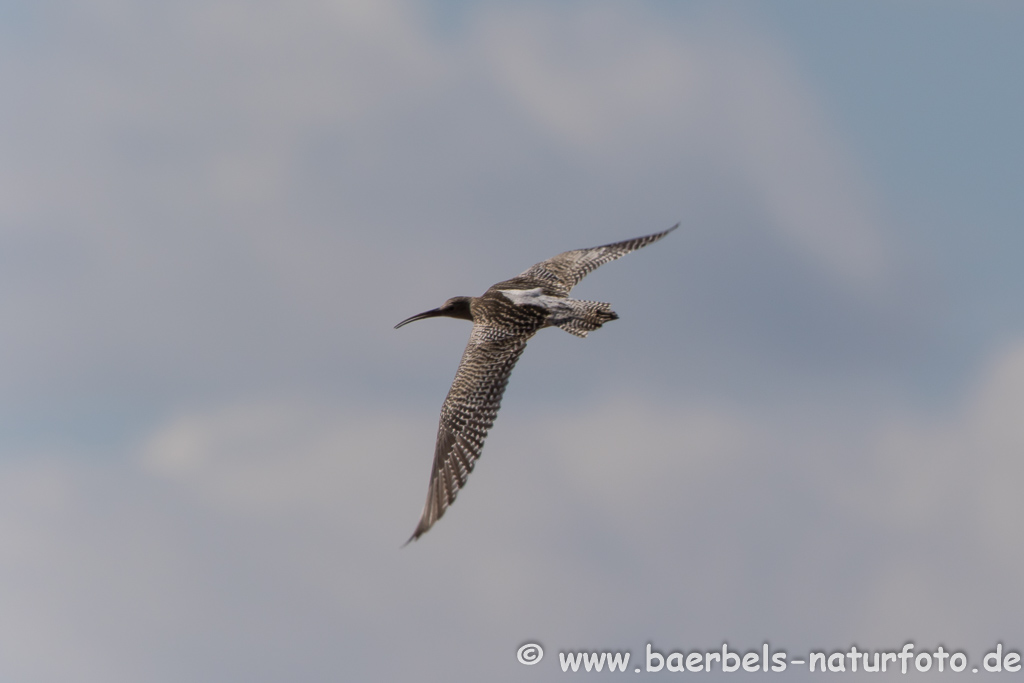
504	319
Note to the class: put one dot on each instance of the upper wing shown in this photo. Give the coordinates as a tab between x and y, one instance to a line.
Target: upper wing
563	272
468	413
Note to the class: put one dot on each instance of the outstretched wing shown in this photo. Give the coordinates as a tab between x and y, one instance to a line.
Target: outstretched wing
468	413
563	272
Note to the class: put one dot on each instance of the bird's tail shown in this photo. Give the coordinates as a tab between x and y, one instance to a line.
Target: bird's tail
586	316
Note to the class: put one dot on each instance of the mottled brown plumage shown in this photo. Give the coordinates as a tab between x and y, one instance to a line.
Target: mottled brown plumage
504	319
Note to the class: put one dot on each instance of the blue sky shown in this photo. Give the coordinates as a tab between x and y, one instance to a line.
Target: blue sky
804	427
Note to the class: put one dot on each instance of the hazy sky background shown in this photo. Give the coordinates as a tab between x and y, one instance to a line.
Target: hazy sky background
806	428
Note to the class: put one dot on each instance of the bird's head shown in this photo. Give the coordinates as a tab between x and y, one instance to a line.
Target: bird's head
456	307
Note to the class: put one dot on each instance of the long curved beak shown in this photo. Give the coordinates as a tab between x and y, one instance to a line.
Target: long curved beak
420	316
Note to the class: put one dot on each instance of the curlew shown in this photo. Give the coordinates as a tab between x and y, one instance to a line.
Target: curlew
504	319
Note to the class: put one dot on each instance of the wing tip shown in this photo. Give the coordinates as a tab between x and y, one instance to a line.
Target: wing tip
427	519
662	234
420	530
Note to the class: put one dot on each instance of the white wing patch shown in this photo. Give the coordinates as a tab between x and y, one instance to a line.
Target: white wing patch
559	308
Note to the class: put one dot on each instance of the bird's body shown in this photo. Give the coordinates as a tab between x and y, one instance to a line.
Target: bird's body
504	319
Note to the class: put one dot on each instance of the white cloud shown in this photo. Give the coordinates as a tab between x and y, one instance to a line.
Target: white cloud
620	89
286	457
606	82
778	138
920	470
995	442
296	510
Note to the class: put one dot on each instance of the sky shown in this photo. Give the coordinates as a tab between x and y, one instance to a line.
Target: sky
804	429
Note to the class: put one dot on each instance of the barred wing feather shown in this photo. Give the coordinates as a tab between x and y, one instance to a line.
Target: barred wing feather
468	414
563	272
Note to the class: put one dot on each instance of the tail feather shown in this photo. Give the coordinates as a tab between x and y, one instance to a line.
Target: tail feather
586	316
